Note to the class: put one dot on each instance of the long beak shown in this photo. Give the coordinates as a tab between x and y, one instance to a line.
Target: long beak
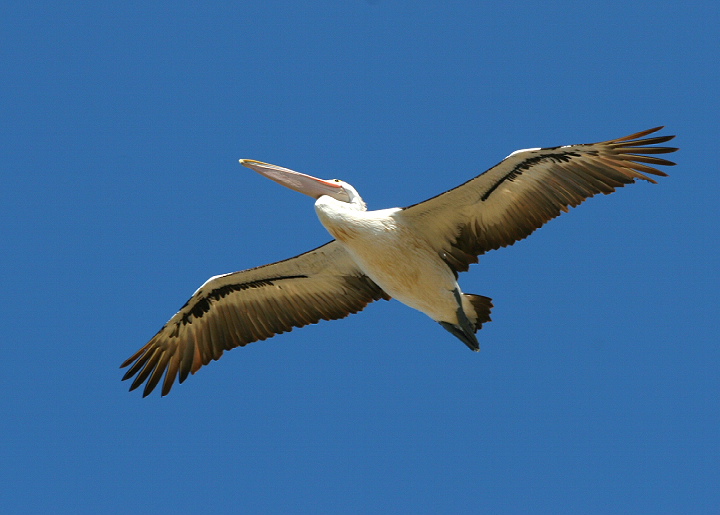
297	181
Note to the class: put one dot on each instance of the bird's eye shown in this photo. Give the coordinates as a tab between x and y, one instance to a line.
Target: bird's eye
336	180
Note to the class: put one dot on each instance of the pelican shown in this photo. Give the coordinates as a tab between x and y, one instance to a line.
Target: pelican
412	254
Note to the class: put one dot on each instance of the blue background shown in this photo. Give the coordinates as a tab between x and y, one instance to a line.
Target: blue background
597	387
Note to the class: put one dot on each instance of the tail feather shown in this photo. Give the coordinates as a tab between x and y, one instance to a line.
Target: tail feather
482	306
473	311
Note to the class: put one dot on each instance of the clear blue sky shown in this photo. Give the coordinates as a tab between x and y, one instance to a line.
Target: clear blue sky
596	390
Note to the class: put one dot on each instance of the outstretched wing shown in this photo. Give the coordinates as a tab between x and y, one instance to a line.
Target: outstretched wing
235	309
529	187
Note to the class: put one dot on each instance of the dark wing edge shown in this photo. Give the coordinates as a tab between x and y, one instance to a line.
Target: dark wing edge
235	309
510	201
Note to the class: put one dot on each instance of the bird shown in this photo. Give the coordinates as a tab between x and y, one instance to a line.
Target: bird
412	254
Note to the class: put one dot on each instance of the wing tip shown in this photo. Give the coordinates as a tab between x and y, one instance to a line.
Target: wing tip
641	134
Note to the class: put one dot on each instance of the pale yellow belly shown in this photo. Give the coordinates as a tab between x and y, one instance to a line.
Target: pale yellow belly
408	271
392	255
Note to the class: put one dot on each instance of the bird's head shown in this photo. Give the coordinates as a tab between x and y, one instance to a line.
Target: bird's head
307	184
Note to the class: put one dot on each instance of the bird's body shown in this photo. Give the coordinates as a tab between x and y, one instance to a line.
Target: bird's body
391	253
412	254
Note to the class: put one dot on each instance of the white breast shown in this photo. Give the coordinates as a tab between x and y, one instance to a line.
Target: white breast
394	256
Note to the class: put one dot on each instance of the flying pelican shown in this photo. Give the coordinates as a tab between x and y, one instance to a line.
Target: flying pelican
413	254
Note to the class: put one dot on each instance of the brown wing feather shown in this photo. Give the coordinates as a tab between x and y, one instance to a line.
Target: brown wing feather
236	309
514	198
